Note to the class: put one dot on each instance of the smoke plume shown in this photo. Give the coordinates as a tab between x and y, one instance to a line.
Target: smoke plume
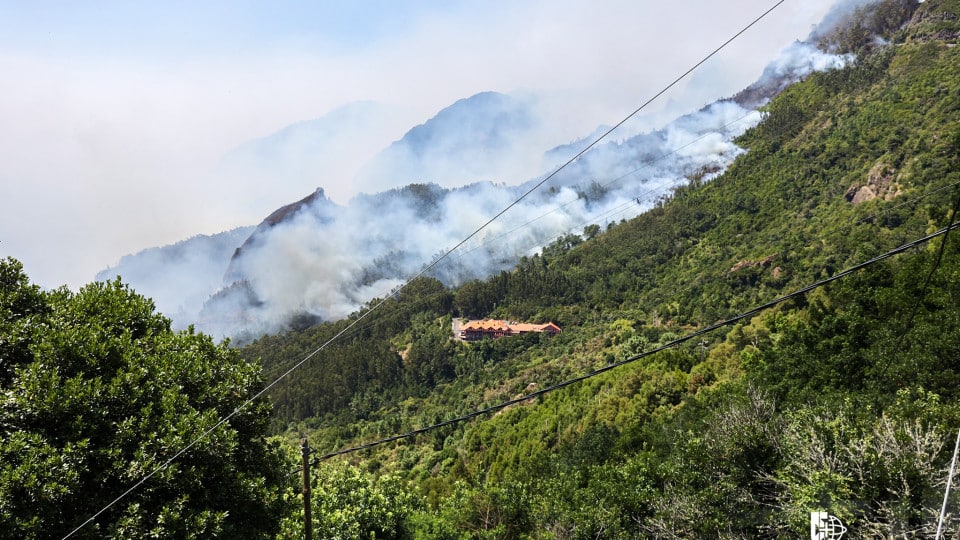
317	260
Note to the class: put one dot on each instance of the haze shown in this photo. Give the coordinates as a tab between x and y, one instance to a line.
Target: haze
115	115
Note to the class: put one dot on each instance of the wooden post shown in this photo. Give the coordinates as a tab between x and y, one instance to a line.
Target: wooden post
307	520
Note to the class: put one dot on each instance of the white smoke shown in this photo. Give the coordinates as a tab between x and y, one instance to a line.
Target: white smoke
801	59
318	260
179	277
324	260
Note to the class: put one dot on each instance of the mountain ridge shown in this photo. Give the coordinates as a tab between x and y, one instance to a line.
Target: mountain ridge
326	270
617	178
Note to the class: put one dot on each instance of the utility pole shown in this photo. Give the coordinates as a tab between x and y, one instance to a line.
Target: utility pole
307	520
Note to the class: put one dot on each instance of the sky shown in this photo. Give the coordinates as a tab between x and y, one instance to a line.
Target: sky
114	114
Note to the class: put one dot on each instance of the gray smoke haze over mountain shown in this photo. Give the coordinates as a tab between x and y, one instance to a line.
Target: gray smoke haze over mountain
325	260
114	127
180	277
322	261
488	136
334	145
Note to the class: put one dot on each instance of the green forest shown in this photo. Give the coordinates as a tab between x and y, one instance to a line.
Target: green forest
843	398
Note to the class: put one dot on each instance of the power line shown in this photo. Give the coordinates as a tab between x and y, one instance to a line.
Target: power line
946	492
674	343
426	269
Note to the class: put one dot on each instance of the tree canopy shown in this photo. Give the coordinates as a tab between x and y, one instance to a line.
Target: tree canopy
96	393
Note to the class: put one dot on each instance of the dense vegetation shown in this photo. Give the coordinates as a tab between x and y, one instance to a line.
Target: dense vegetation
96	392
844	399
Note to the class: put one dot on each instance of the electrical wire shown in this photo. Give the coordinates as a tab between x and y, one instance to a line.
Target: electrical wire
426	269
946	492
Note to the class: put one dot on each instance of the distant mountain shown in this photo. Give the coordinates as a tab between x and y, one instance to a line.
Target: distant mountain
483	137
317	260
323	151
314	260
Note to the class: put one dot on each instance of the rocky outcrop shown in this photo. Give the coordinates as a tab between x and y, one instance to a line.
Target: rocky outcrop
747	263
935	20
879	184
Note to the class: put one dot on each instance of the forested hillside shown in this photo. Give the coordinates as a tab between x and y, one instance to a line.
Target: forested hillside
843	399
644	418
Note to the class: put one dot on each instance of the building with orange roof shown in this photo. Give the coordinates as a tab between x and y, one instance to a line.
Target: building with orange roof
497	328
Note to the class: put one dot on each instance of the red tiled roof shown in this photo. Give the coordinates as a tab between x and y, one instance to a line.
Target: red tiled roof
486	324
497	325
